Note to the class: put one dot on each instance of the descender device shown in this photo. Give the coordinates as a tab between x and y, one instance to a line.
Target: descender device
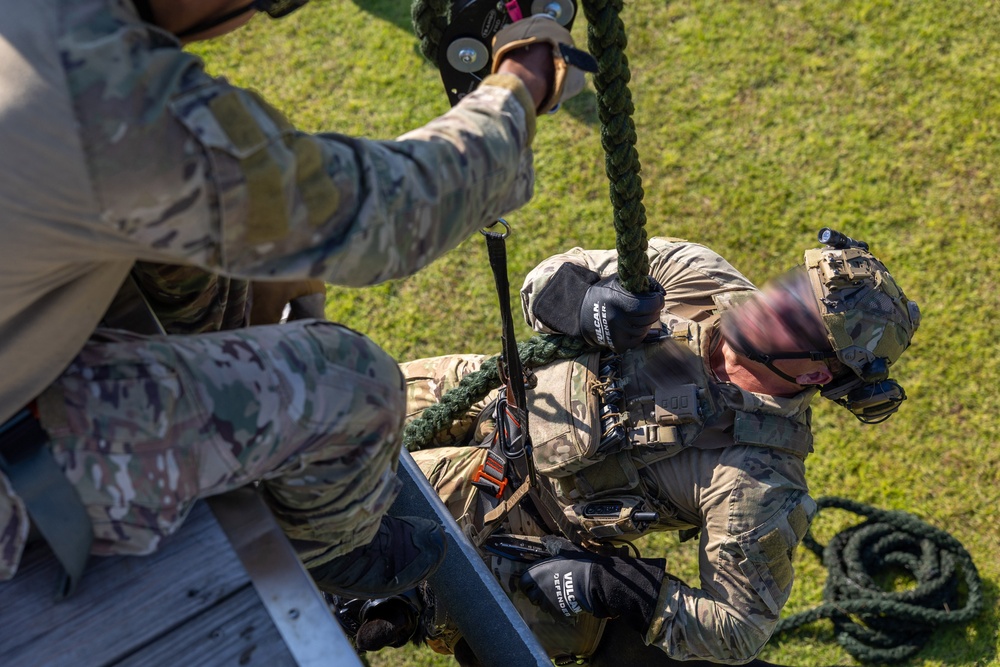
465	51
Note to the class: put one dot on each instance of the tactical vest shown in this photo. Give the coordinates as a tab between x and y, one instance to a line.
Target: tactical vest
596	420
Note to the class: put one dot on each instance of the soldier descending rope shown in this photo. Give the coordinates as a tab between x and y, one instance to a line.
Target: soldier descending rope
700	426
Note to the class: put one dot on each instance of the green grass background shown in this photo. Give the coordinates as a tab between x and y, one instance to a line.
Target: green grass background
758	122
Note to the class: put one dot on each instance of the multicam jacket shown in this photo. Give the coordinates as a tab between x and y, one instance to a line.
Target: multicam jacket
119	147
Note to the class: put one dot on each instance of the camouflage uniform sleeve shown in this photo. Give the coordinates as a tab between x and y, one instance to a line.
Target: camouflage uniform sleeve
189	169
690	274
753	508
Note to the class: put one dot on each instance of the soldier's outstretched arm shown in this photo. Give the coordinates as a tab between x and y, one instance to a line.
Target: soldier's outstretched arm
186	168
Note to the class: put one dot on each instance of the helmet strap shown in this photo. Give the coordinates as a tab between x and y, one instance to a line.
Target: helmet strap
739	342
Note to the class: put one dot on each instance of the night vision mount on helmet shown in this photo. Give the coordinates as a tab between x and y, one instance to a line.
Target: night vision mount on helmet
869	320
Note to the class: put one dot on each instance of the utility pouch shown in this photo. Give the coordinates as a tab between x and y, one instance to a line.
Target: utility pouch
565	420
677	404
608	518
786	435
614	474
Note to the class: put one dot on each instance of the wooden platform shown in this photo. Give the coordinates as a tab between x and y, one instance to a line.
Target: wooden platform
194	603
190	604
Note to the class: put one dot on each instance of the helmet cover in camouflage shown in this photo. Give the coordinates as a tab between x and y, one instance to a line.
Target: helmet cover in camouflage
865	312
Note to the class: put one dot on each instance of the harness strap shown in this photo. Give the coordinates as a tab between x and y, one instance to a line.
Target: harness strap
510	360
510	445
51	500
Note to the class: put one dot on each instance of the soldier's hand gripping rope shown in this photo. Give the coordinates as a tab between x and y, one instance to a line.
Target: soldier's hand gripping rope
570	63
469	40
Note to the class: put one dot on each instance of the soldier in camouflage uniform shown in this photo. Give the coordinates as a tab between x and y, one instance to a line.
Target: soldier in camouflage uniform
119	149
703	426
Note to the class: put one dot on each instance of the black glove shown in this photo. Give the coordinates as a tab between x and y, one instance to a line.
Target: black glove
625	588
611	316
578	302
376	624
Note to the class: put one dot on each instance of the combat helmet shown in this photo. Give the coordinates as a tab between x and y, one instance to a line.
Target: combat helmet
869	320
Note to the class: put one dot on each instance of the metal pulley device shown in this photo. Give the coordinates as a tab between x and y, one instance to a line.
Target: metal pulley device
465	50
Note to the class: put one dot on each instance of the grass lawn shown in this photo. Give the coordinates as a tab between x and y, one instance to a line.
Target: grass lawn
758	123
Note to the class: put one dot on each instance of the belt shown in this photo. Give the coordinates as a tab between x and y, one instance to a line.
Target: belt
52	502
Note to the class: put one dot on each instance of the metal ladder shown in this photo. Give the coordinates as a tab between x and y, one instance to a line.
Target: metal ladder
462	584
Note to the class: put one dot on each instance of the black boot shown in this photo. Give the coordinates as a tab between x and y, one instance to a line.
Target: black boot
405	551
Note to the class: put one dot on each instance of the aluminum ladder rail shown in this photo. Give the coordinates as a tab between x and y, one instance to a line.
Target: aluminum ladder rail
486	617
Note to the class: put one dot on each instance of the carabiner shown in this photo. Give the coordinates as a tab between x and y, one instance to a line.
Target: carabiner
485	231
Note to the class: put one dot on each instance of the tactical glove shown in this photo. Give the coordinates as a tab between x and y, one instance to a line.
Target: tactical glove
611	316
578	302
381	622
570	62
625	588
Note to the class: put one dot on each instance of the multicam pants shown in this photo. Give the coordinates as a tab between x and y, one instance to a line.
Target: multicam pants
144	426
449	470
750	503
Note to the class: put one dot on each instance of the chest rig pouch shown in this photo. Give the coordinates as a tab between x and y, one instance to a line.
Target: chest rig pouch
630	411
624	410
565	424
661	402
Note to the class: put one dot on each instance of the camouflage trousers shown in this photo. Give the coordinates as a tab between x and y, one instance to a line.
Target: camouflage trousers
144	426
750	503
449	470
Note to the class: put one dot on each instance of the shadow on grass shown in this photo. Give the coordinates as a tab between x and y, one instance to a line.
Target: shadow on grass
583	108
975	642
393	11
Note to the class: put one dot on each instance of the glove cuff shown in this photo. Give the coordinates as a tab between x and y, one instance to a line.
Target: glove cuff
628	588
558	304
569	62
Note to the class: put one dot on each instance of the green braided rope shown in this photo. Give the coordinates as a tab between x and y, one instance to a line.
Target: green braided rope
606	41
429	19
534	352
879	626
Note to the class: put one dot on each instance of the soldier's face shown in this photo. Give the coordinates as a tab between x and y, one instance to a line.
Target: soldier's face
779	321
782	317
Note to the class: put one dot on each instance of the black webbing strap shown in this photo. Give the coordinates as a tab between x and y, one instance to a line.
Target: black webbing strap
51	501
511	444
510	360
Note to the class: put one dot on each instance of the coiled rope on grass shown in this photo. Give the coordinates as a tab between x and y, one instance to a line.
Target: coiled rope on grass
881	626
